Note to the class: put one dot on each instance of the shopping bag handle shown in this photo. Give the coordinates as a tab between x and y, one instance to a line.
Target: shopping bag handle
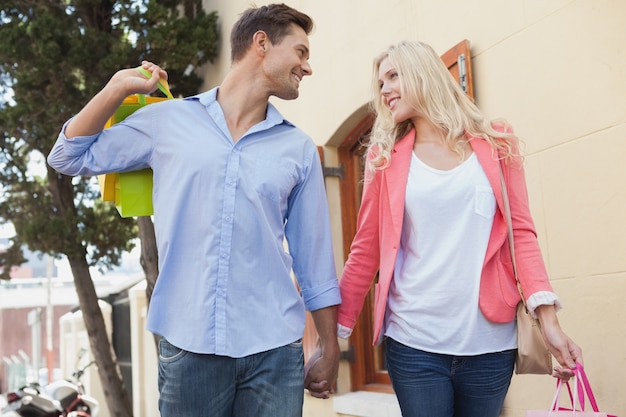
581	386
576	399
582	376
162	84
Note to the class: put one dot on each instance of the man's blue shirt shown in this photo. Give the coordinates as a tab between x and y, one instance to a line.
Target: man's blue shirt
222	213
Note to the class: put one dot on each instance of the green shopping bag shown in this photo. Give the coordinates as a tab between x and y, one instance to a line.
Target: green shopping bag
131	191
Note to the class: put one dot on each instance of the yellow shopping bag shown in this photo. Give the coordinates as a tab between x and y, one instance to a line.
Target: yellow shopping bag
131	191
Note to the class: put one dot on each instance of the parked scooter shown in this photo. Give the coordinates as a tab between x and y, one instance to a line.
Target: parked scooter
58	399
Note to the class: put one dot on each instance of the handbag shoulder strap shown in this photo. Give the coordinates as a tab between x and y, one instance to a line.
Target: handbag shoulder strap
509	224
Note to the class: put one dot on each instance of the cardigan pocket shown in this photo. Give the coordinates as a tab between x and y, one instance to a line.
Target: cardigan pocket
506	278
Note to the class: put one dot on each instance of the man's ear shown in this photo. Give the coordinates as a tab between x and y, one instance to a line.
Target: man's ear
260	42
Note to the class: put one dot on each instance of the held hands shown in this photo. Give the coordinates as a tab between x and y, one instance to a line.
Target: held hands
320	372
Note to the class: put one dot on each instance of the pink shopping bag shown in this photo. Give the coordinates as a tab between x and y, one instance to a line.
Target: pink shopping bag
577	409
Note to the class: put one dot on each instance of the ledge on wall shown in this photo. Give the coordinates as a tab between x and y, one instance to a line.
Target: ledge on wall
366	404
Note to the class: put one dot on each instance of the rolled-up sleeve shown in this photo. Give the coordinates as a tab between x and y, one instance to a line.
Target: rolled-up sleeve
309	235
67	155
324	295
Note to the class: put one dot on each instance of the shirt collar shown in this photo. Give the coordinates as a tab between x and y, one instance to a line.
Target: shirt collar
272	116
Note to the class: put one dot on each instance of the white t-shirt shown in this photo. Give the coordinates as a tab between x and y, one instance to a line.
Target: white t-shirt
433	299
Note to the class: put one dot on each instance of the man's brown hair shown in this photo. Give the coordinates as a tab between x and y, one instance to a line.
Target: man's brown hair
274	19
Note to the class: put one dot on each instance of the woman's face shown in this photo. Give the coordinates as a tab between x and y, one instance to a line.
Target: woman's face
391	95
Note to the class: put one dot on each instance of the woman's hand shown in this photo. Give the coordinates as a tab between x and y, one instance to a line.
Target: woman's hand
562	347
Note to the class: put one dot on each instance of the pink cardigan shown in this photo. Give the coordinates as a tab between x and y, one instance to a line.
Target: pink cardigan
375	245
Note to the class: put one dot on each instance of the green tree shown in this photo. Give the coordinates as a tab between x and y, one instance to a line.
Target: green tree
54	56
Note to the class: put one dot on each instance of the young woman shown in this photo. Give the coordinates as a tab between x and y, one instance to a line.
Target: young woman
432	224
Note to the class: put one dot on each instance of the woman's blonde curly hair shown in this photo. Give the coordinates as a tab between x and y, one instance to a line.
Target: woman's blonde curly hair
428	86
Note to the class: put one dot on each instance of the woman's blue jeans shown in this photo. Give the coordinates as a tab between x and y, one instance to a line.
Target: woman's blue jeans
434	385
266	384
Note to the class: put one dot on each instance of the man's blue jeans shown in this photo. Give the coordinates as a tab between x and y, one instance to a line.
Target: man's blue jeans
266	384
434	385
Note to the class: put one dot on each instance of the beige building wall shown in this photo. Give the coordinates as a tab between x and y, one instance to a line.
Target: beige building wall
556	69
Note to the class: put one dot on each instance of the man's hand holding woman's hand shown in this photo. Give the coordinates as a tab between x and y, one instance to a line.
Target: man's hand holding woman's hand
320	372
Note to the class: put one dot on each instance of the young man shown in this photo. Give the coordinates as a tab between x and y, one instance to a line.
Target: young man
232	180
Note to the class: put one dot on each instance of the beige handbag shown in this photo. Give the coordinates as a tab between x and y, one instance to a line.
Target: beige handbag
533	356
